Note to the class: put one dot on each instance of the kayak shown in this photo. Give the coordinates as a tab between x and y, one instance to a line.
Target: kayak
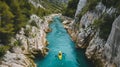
60	55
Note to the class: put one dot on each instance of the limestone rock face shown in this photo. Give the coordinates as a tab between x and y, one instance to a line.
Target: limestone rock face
80	5
36	3
59	1
85	31
106	54
16	60
31	40
112	46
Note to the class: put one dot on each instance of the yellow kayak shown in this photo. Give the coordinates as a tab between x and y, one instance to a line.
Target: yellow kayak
60	55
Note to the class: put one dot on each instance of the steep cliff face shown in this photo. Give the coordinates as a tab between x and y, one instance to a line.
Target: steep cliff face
36	3
33	38
59	1
80	5
29	41
86	32
106	52
112	46
32	41
85	29
48	4
16	60
89	34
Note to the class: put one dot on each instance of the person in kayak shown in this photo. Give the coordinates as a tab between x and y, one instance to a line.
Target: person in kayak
60	55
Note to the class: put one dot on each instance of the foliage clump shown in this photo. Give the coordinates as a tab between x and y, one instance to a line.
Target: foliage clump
112	3
3	50
71	8
14	14
104	24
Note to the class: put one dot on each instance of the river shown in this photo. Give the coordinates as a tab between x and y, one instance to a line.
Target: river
59	40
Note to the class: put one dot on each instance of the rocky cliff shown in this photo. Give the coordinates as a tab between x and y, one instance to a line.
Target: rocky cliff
36	3
32	41
106	52
59	1
92	29
80	5
112	46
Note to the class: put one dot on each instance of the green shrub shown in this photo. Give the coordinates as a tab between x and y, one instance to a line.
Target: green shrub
3	50
14	14
17	43
104	23
91	4
42	12
97	23
71	8
112	3
27	32
52	7
33	23
109	3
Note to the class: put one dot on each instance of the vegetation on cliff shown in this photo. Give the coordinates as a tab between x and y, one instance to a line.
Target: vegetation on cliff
3	50
90	5
14	14
112	3
104	24
71	8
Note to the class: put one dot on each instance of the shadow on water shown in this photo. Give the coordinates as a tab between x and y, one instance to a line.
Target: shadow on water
82	59
59	40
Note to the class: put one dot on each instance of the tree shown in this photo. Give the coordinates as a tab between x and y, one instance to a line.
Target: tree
3	50
6	23
71	8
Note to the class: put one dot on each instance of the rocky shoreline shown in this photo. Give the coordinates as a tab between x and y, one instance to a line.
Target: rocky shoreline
85	36
32	41
92	43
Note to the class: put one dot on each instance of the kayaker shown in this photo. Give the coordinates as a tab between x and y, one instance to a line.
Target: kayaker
60	55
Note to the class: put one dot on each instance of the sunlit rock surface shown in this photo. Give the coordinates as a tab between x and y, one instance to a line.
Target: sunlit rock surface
107	54
33	38
59	1
112	46
16	60
80	5
36	3
32	41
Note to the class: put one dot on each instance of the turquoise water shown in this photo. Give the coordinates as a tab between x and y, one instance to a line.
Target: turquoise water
59	40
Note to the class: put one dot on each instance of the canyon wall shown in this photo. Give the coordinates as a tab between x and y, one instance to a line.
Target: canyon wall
32	41
104	53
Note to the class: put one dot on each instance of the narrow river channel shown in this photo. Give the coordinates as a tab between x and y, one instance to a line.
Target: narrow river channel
59	40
